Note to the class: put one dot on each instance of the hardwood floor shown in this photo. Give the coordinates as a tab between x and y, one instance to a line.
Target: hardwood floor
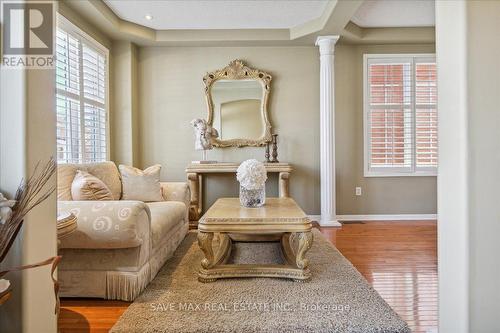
399	259
82	315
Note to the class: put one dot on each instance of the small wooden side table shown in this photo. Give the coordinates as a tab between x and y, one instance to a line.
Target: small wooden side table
280	219
66	224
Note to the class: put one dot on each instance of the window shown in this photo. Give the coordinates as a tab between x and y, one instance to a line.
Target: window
400	115
81	96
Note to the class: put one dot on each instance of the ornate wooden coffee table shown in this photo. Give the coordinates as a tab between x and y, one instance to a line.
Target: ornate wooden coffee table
280	219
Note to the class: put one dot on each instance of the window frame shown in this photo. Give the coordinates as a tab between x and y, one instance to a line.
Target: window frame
69	27
393	171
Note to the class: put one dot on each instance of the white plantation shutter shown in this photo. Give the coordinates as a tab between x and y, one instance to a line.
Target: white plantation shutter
389	114
95	133
68	64
426	114
68	130
81	83
94	65
400	115
94	91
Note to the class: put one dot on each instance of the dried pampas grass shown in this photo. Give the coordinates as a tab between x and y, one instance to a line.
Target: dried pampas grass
31	193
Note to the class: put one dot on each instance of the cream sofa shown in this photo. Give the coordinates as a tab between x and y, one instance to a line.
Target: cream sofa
119	246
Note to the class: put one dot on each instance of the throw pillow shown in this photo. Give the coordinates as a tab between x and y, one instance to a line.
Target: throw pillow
88	187
141	185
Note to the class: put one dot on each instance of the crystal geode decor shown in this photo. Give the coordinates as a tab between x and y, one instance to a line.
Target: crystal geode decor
252	198
252	176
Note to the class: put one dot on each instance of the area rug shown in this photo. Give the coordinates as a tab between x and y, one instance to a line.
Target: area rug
336	299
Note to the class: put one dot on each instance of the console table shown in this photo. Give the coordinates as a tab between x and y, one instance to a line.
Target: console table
195	172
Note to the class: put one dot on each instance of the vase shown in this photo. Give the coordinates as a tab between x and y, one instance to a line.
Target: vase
252	198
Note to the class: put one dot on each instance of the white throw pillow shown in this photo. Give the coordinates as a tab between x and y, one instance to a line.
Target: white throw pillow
141	185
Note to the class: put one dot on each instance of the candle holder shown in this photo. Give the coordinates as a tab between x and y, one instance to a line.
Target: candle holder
275	149
267	155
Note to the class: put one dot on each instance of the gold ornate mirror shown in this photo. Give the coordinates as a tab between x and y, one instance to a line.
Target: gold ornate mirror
237	98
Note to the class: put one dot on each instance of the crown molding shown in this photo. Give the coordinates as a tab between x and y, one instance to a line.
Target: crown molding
354	34
336	16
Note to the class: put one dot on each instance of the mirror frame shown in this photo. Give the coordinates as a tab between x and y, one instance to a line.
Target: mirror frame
237	70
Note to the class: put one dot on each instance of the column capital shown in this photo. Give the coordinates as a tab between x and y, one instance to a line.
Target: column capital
327	44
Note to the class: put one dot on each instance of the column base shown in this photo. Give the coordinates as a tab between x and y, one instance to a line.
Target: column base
329	222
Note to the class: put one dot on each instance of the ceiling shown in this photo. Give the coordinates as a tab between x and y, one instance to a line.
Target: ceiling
258	22
395	13
218	14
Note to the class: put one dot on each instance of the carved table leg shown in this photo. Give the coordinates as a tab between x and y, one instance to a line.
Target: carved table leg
286	249
195	204
224	250
305	242
284	191
211	261
205	243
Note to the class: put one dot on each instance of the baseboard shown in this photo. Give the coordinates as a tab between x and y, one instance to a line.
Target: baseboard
389	217
375	217
317	218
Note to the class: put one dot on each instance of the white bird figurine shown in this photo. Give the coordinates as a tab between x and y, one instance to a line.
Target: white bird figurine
5	208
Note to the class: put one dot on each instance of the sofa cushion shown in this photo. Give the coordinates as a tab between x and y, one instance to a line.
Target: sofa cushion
87	187
142	185
164	216
107	172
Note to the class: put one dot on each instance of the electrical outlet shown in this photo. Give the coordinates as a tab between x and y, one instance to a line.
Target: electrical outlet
358	191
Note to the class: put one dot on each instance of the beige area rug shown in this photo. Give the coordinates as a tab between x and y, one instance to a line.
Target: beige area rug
336	299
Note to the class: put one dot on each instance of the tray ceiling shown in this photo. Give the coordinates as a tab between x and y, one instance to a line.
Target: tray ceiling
395	13
218	14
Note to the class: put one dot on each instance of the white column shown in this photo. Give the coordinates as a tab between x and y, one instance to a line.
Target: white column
326	46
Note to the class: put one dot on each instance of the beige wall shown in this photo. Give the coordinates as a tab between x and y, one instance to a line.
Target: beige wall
124	103
381	195
483	75
171	94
